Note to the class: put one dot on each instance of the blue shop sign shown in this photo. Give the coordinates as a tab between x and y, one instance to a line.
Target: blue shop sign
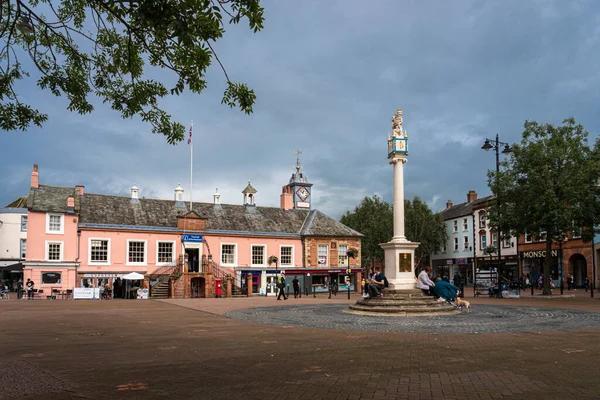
191	238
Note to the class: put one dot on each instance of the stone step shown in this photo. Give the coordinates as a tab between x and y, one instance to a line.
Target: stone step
398	303
443	309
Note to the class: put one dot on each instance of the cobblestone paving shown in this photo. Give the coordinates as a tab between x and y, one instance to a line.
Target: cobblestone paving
483	319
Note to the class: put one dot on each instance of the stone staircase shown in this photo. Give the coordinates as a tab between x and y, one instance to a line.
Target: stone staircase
403	302
160	290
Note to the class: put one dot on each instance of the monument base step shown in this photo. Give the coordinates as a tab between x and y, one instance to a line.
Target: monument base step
411	302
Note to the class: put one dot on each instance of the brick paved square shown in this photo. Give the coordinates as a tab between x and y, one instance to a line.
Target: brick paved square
151	349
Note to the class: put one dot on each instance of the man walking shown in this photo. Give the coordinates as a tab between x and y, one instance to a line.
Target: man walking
281	286
29	286
296	286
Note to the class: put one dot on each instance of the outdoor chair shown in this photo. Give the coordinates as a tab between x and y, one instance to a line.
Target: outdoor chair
68	294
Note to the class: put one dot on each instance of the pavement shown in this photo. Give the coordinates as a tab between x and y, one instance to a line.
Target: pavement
190	349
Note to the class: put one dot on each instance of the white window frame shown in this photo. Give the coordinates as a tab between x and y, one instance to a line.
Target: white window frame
456	244
482	220
507	243
235	254
62	224
23	223
495	241
543	236
343	255
327	259
466	243
454	226
530	237
145	262
281	257
62	250
90	262
22	253
465	224
173	255
264	246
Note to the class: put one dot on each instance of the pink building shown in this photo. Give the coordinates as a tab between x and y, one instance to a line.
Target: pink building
79	239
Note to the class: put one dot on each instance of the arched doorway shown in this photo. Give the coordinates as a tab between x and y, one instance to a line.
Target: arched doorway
578	264
197	286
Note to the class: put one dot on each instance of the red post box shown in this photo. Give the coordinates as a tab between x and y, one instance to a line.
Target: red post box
218	287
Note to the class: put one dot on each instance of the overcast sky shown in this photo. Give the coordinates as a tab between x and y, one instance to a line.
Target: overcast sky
328	76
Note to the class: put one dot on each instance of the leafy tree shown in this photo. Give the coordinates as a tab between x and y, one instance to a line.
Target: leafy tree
80	48
374	218
423	226
548	185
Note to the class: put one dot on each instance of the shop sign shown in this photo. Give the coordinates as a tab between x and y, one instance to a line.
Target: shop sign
86	293
186	237
461	261
449	262
103	275
537	254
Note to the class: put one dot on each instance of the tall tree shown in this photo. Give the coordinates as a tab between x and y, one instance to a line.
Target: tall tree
373	217
548	186
425	227
79	48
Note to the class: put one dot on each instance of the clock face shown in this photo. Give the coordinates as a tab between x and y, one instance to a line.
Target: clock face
303	193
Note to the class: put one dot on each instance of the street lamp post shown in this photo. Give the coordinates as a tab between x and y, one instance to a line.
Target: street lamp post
488	145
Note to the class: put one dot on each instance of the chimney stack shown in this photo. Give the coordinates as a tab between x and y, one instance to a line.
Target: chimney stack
79	189
35	177
471	196
449	204
286	199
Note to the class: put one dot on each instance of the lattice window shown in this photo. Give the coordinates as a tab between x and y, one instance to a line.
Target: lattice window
137	252
286	255
165	252
54	251
258	255
98	250
228	254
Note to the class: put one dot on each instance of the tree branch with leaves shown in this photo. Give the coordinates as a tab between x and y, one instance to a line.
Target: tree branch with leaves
104	48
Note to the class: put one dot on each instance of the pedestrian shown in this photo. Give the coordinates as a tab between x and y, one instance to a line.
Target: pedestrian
19	289
29	286
572	281
281	286
424	283
296	286
568	282
586	283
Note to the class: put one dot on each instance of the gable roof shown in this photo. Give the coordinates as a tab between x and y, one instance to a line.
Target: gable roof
51	198
97	209
463	209
21	202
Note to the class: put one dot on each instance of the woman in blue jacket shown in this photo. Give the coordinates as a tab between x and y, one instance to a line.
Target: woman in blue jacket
445	289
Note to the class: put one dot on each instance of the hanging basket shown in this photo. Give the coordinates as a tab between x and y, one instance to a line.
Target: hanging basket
352	252
272	260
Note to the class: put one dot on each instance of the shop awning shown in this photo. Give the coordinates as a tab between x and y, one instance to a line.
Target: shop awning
11	266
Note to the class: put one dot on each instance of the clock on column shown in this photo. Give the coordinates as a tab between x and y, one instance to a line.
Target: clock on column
303	193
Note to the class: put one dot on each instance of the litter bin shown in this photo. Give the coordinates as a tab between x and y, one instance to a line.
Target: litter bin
218	287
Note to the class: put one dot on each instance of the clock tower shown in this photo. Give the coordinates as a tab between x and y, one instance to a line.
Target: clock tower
300	187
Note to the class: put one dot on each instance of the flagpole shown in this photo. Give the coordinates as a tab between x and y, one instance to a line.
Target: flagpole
191	160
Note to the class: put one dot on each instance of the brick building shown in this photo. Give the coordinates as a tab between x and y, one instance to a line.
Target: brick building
577	258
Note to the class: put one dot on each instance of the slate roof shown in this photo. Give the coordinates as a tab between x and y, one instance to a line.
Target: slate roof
249	189
120	210
51	198
21	202
460	210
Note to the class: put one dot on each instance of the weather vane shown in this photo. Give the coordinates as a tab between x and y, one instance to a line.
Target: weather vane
298	152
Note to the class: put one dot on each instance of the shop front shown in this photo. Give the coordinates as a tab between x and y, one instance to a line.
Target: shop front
452	268
111	282
264	281
533	265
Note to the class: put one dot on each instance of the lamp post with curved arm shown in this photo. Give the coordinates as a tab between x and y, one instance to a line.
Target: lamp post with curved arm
488	145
